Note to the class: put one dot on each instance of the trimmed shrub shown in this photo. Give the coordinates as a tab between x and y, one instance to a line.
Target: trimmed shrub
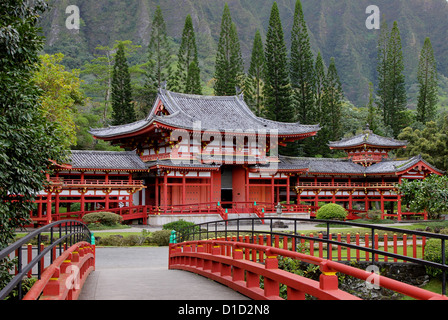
105	218
178	225
161	237
331	211
433	252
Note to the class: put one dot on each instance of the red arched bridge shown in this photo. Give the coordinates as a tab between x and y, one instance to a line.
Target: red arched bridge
235	253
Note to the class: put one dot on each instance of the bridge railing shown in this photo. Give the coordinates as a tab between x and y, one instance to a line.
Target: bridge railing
394	244
69	240
233	264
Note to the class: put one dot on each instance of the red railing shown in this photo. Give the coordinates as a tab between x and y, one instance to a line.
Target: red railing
388	185
94	182
239	265
128	213
64	279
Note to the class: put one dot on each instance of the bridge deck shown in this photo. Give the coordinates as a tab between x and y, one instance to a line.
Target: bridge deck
142	274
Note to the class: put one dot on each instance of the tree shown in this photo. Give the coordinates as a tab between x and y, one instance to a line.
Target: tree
27	139
277	89
61	94
391	86
430	195
302	68
332	102
188	54
123	108
427	79
193	80
382	68
253	89
431	142
101	69
229	67
318	146
159	55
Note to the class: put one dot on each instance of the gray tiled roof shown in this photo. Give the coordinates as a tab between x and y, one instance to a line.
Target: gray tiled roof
218	113
113	160
321	165
327	165
368	137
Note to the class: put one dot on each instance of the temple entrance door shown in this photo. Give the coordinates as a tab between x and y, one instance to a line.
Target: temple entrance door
226	186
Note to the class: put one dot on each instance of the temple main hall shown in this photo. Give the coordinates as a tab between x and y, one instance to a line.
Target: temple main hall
206	155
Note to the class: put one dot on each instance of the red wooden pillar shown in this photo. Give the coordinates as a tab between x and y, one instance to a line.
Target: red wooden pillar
288	185
107	191
165	191
211	187
399	202
184	187
49	207
157	192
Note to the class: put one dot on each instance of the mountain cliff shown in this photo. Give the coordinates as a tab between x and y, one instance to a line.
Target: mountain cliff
337	29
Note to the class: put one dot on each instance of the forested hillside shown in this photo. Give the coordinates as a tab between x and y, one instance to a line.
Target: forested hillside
337	29
339	48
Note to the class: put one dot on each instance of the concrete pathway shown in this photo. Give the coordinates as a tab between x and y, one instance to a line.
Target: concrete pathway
142	274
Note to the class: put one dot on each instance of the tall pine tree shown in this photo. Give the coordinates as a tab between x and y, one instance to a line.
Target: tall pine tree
188	54
159	54
277	89
302	68
320	143
396	91
382	68
123	108
229	67
253	89
427	79
332	101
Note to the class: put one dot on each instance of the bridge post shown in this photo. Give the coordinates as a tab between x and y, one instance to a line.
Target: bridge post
216	266
328	280
238	273
271	287
53	288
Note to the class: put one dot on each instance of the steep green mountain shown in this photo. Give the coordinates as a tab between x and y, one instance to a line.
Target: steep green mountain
337	29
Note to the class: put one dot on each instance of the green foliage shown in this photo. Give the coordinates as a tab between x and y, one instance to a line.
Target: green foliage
253	87
104	218
27	139
161	237
277	89
121	93
331	211
302	69
431	142
177	225
430	195
187	75
229	68
61	95
159	51
392	91
433	252
427	79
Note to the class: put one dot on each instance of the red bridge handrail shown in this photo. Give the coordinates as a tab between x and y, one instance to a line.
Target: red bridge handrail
229	263
64	279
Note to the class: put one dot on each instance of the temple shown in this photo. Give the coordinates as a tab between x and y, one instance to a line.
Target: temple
211	156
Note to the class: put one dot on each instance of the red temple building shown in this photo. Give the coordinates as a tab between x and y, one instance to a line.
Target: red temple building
205	155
